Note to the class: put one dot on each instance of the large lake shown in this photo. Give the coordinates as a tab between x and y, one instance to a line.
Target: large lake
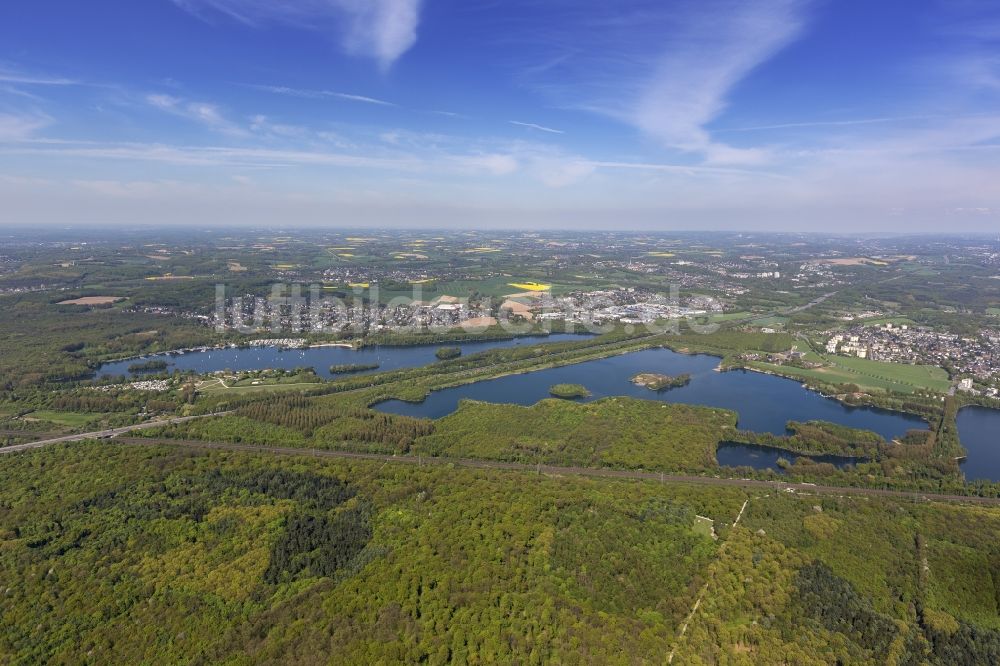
764	402
319	358
979	431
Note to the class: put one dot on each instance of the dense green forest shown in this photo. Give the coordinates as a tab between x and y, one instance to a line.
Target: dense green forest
847	581
822	437
569	391
122	554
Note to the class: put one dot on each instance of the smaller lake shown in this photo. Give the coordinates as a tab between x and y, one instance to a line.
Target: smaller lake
735	454
318	358
979	431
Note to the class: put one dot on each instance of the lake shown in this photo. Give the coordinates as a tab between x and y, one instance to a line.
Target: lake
738	454
764	402
318	358
979	431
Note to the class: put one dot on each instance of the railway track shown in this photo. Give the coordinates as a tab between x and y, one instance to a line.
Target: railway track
557	470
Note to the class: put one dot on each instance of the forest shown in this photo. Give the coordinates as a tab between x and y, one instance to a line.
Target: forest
155	554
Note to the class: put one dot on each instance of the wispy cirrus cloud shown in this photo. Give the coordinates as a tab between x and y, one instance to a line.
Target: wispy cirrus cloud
16	82
540	128
971	39
11	76
711	52
666	70
15	127
434	155
379	29
849	122
203	113
321	94
309	93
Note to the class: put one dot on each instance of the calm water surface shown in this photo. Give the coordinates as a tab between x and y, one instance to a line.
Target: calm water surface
319	358
738	454
979	430
764	402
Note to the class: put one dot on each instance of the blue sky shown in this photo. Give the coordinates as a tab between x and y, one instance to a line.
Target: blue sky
847	115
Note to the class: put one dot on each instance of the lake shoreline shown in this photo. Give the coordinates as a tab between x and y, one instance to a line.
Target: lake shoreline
759	410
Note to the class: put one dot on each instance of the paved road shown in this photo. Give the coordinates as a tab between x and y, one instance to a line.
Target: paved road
802	488
808	305
102	434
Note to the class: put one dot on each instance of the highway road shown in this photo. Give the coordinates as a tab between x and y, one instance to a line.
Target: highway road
102	434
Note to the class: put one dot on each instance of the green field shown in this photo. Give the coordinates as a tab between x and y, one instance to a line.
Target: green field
247	385
870	375
770	321
69	419
728	316
704	526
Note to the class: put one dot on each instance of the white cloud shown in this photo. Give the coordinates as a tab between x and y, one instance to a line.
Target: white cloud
210	156
14	80
497	164
708	55
10	75
17	92
541	128
908	183
163	102
443	156
382	29
977	69
978	211
831	123
379	29
320	94
561	172
666	70
20	127
203	113
264	126
361	98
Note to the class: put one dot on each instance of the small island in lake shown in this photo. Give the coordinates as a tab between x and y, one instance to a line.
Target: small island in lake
445	353
657	382
347	368
569	391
